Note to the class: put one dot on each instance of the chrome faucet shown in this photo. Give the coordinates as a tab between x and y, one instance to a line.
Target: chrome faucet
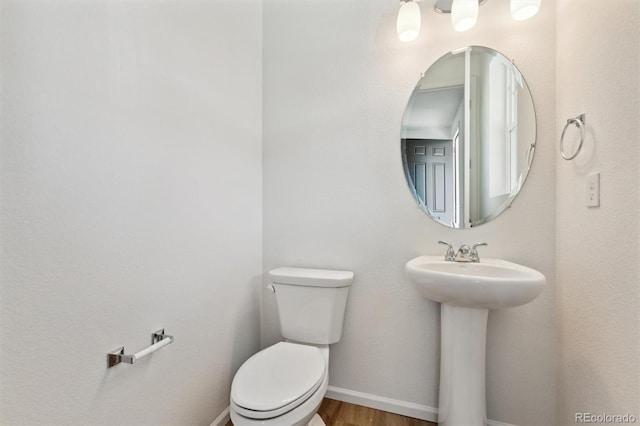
464	253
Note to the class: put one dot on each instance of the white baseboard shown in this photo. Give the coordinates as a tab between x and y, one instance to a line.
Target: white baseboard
417	411
409	409
222	419
497	423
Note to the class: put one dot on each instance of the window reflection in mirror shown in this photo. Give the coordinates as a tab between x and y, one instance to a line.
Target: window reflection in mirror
468	137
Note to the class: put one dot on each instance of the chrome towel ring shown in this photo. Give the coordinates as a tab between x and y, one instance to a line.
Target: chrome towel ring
579	122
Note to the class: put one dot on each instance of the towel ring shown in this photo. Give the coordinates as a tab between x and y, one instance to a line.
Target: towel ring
579	122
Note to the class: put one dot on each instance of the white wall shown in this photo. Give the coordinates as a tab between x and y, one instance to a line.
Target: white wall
336	82
130	170
597	248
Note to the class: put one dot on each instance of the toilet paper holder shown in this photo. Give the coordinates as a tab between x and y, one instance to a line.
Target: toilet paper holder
158	340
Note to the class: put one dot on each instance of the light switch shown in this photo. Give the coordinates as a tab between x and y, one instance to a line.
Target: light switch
593	190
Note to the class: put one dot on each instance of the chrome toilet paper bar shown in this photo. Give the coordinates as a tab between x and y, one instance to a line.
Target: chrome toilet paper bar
158	340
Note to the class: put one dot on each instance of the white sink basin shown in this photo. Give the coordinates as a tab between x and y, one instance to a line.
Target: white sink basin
489	284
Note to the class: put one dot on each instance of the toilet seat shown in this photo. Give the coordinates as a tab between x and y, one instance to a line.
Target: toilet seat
277	379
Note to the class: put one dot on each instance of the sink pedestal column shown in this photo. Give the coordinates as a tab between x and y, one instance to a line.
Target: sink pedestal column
462	366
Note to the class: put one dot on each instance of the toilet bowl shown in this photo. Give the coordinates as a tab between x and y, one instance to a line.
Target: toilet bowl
284	384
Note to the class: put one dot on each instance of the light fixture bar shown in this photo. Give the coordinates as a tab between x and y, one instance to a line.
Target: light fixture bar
464	14
444	6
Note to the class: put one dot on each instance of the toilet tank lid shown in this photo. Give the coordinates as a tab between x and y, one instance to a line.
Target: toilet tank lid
311	277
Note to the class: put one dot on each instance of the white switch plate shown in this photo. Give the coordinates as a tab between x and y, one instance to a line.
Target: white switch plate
593	190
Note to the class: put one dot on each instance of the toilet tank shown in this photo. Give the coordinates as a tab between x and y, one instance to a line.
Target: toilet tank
311	303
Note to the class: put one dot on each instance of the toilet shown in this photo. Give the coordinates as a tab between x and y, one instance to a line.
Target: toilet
284	384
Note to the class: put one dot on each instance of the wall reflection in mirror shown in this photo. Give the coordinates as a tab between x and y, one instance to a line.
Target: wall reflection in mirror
468	137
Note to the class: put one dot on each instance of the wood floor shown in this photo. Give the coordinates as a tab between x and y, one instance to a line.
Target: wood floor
338	413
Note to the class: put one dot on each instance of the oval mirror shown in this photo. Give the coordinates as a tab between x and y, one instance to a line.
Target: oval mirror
468	137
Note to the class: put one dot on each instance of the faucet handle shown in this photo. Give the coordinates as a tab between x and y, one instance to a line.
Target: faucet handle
474	252
445	243
450	255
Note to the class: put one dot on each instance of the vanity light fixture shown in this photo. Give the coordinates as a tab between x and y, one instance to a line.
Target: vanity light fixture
524	9
464	14
408	23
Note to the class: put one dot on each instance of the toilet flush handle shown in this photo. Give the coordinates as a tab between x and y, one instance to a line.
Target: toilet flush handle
271	288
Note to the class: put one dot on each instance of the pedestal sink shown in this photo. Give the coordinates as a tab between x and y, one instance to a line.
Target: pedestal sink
467	291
